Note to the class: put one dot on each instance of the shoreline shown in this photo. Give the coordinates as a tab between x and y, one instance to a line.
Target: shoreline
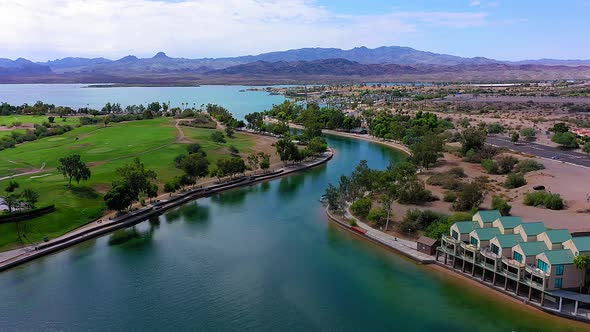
81	234
436	267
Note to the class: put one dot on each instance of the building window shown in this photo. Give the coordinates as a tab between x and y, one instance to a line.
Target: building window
559	270
474	241
558	282
542	265
455	235
517	256
495	249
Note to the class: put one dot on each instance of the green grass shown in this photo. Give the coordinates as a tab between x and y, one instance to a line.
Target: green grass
104	149
7	120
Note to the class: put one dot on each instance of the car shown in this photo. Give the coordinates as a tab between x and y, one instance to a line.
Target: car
555	157
539	187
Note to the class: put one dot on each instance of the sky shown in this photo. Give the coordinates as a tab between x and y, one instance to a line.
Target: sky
501	29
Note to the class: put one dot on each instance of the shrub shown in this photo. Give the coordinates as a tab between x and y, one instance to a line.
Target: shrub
528	165
416	220
378	217
543	198
495	128
506	164
361	207
450	197
500	204
457	171
469	197
217	137
490	166
514	180
233	149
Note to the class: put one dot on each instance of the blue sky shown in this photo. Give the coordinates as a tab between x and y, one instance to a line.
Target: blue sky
500	29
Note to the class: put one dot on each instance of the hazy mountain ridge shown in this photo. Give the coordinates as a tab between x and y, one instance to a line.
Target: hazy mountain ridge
392	62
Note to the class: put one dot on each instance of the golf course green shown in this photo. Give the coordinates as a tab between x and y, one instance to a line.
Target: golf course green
104	149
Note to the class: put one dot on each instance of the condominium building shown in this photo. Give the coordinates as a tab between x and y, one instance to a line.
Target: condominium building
524	258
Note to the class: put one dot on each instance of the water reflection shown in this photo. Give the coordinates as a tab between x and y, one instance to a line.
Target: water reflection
234	197
131	237
289	186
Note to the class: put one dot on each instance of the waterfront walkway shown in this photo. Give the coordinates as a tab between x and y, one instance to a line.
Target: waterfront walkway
405	247
12	258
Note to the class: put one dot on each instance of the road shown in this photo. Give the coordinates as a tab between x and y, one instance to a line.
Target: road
543	151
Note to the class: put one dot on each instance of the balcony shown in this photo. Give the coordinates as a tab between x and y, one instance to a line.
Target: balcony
536	271
486	252
469	247
512	263
450	239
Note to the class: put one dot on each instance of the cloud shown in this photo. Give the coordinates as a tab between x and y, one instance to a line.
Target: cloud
200	28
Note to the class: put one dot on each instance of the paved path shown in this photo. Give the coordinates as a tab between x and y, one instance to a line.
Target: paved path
406	247
543	151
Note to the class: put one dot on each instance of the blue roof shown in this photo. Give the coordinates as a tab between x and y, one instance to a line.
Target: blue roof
508	240
582	243
559	256
510	222
533	228
558	235
465	227
485	234
489	215
533	248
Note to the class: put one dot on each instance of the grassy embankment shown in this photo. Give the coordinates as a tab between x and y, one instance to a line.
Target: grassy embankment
104	149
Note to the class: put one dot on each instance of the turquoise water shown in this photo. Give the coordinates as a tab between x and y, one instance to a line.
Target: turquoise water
79	95
263	257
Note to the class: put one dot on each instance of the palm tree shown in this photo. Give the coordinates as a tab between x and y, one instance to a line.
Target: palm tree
582	263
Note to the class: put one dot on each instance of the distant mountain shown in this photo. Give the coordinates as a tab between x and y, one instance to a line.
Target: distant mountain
385	54
309	64
552	62
21	66
71	62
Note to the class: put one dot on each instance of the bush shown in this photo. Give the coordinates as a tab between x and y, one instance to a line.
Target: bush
378	217
506	164
417	220
233	149
450	197
514	180
361	207
543	198
495	128
490	166
528	165
217	137
470	197
457	171
500	204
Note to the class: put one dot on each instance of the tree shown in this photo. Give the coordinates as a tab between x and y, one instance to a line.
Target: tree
287	150
12	201
51	119
317	145
119	198
560	127
586	147
470	197
195	165
387	200
528	133
515	137
333	197
264	161
255	120
253	161
500	204
171	186
229	132
30	197
566	140
106	120
582	263
194	148
472	139
361	207
230	167
12	186
72	167
427	150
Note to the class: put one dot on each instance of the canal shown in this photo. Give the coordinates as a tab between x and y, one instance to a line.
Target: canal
263	257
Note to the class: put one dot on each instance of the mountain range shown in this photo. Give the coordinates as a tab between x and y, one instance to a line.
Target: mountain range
305	64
